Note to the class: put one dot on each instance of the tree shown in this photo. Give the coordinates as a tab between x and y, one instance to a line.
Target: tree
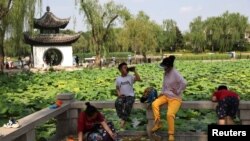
13	21
179	39
169	28
3	12
139	35
197	35
100	20
223	33
4	7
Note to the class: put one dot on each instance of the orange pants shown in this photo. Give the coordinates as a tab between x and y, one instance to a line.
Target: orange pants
173	107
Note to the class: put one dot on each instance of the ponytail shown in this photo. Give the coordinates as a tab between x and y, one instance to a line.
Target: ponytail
90	110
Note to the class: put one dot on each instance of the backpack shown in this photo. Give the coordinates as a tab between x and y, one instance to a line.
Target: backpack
149	95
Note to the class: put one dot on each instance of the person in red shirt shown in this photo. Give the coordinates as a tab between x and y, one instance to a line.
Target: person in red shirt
91	122
228	105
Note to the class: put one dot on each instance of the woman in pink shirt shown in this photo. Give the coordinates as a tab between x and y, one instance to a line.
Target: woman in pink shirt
172	88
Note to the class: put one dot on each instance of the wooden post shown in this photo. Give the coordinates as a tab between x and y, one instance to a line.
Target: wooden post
63	126
245	116
150	118
73	113
29	136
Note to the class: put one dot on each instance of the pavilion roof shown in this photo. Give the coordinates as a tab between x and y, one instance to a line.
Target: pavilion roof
49	20
51	39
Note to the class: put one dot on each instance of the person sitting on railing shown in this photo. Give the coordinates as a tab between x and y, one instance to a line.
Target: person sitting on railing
93	127
173	86
228	105
125	92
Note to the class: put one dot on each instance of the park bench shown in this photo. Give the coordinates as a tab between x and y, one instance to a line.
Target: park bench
67	115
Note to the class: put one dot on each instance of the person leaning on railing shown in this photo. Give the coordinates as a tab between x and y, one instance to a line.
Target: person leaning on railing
228	105
125	92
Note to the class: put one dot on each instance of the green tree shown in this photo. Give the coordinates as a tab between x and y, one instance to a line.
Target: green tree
169	28
179	39
100	20
4	9
197	33
139	35
80	46
14	20
223	33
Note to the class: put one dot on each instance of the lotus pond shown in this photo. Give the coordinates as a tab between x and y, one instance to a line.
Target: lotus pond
25	93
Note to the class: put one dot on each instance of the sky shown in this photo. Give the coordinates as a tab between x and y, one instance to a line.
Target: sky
181	11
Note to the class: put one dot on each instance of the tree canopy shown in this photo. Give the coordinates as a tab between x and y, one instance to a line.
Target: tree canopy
112	28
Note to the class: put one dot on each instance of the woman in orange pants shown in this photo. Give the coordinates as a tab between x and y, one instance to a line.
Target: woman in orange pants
173	86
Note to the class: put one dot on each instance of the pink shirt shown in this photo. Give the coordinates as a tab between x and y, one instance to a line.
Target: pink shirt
173	84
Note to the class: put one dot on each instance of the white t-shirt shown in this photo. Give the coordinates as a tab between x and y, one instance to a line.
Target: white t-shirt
125	85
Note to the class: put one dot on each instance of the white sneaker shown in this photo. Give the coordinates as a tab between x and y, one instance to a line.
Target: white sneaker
10	125
15	125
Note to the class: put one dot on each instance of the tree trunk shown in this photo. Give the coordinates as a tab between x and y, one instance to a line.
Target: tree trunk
1	53
161	53
144	57
98	57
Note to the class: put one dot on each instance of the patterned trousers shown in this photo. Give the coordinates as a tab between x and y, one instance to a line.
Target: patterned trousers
123	106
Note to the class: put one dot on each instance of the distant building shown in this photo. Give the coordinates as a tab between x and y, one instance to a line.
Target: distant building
49	47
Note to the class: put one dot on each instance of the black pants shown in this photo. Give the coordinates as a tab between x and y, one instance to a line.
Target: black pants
228	106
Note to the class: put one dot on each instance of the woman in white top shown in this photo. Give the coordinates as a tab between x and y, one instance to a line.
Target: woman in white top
172	88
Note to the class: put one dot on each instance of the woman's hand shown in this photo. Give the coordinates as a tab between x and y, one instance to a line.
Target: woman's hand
113	135
107	128
80	136
161	94
174	91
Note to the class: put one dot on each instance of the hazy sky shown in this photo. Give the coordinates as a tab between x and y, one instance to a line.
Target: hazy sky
181	11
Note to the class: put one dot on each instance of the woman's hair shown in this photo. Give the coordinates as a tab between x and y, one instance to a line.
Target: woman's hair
168	61
90	110
222	87
171	60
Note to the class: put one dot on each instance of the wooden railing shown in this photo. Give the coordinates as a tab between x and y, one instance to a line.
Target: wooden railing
67	115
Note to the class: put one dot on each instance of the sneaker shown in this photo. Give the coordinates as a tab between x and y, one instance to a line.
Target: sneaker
15	125
12	124
8	125
171	138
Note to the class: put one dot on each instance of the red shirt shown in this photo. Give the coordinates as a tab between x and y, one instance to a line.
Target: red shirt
224	93
85	125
